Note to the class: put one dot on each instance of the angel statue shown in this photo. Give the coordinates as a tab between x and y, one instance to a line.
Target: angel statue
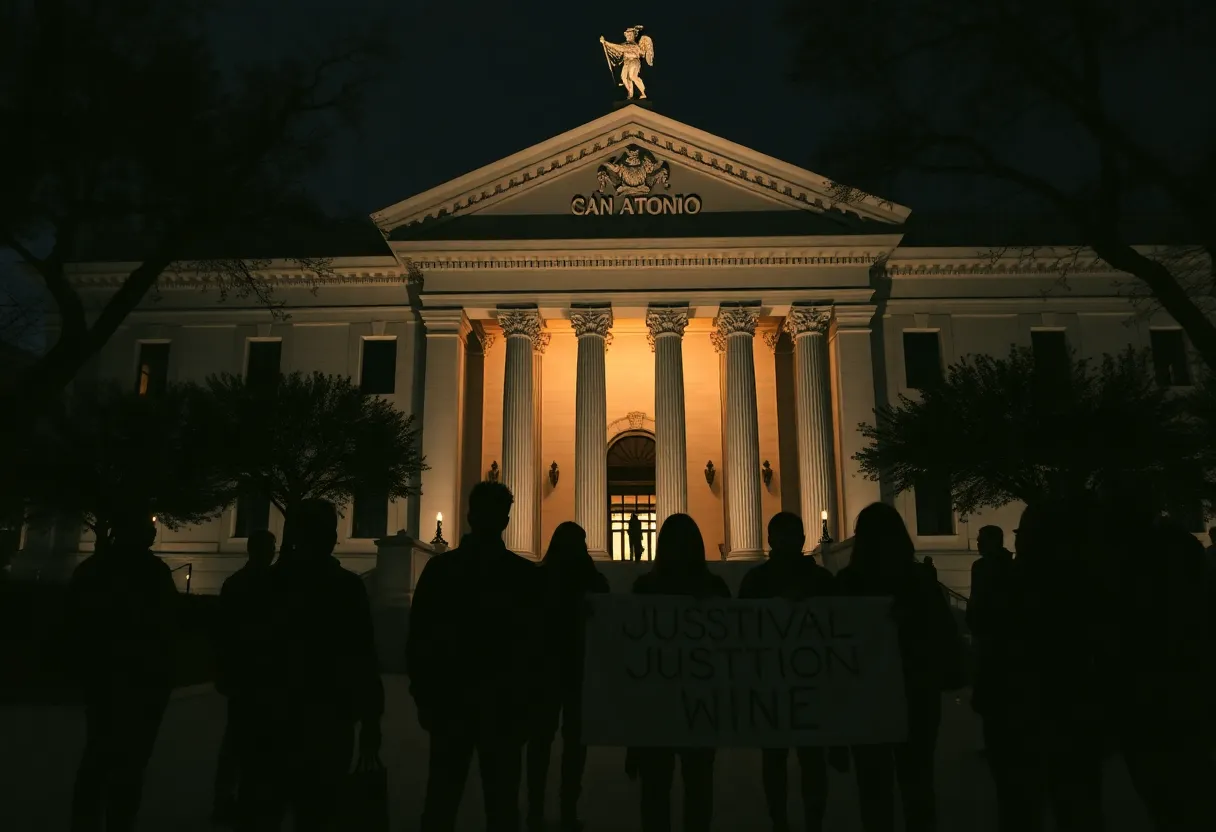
630	54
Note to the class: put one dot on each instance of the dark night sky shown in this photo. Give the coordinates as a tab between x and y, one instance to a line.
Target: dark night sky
472	87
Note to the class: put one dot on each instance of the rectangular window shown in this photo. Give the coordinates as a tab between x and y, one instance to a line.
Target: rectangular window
922	359
153	373
252	514
1052	362
263	365
379	373
1169	358
934	508
369	516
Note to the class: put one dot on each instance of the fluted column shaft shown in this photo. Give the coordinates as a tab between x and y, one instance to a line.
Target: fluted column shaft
521	329
591	326
816	443
737	329
670	432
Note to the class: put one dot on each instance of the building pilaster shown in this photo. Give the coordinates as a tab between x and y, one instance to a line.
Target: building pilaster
442	418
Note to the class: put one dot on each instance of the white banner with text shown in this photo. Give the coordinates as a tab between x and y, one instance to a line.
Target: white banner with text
664	671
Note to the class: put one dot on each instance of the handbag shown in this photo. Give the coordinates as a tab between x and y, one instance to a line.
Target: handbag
365	804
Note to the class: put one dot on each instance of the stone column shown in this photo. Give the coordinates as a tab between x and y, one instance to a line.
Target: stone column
850	345
591	326
808	327
737	329
521	329
442	421
671	447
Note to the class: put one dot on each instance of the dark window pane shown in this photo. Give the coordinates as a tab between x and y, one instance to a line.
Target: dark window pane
264	359
1052	362
152	375
934	511
370	516
922	359
379	366
1169	358
252	515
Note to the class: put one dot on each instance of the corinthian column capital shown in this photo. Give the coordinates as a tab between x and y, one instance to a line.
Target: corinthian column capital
591	322
807	320
737	320
524	322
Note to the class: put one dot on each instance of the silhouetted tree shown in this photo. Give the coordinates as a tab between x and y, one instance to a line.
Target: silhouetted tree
132	121
313	437
1080	110
998	430
108	447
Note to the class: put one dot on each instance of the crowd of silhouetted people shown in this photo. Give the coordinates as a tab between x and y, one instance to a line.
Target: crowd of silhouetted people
1092	641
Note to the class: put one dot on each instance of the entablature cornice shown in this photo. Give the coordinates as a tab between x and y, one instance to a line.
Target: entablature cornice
650	253
338	271
1051	262
1031	304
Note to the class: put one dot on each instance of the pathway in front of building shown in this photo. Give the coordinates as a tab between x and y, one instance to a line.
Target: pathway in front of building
40	748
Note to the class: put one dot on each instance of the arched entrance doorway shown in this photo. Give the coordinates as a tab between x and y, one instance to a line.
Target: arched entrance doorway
630	491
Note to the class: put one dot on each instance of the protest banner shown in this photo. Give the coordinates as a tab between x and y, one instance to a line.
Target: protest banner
664	671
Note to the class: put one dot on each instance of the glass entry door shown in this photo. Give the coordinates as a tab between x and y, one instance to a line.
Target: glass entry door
631	491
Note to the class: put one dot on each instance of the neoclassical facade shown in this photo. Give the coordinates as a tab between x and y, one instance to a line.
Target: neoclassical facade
634	317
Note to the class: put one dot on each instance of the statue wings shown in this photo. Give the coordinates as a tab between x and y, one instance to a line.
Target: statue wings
647	49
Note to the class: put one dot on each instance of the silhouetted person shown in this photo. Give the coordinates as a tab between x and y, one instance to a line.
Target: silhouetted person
930	567
1210	552
1043	715
634	530
567	574
679	569
326	672
475	664
243	644
790	574
883	563
987	612
122	606
1161	680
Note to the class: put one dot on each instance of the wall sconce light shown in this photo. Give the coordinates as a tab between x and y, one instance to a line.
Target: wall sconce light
553	475
767	474
492	474
438	542
709	473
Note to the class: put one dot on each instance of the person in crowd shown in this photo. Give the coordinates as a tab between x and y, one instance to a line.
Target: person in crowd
883	563
1161	678
241	651
475	664
987	613
122	610
634	531
930	567
790	574
1044	712
324	669
568	574
679	569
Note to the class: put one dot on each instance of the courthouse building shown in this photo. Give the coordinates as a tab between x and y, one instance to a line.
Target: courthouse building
633	317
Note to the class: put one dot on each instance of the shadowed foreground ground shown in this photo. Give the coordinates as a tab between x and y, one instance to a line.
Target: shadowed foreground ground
40	747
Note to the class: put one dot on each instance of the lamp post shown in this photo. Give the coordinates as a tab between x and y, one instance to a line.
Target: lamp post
437	541
825	539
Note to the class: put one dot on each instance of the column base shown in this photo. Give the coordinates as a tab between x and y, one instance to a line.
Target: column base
600	554
745	554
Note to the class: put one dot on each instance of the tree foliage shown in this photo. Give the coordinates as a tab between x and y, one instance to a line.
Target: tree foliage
1082	111
999	430
108	448
313	436
130	120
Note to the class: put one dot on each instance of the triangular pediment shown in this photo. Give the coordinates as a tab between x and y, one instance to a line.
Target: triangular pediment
651	171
